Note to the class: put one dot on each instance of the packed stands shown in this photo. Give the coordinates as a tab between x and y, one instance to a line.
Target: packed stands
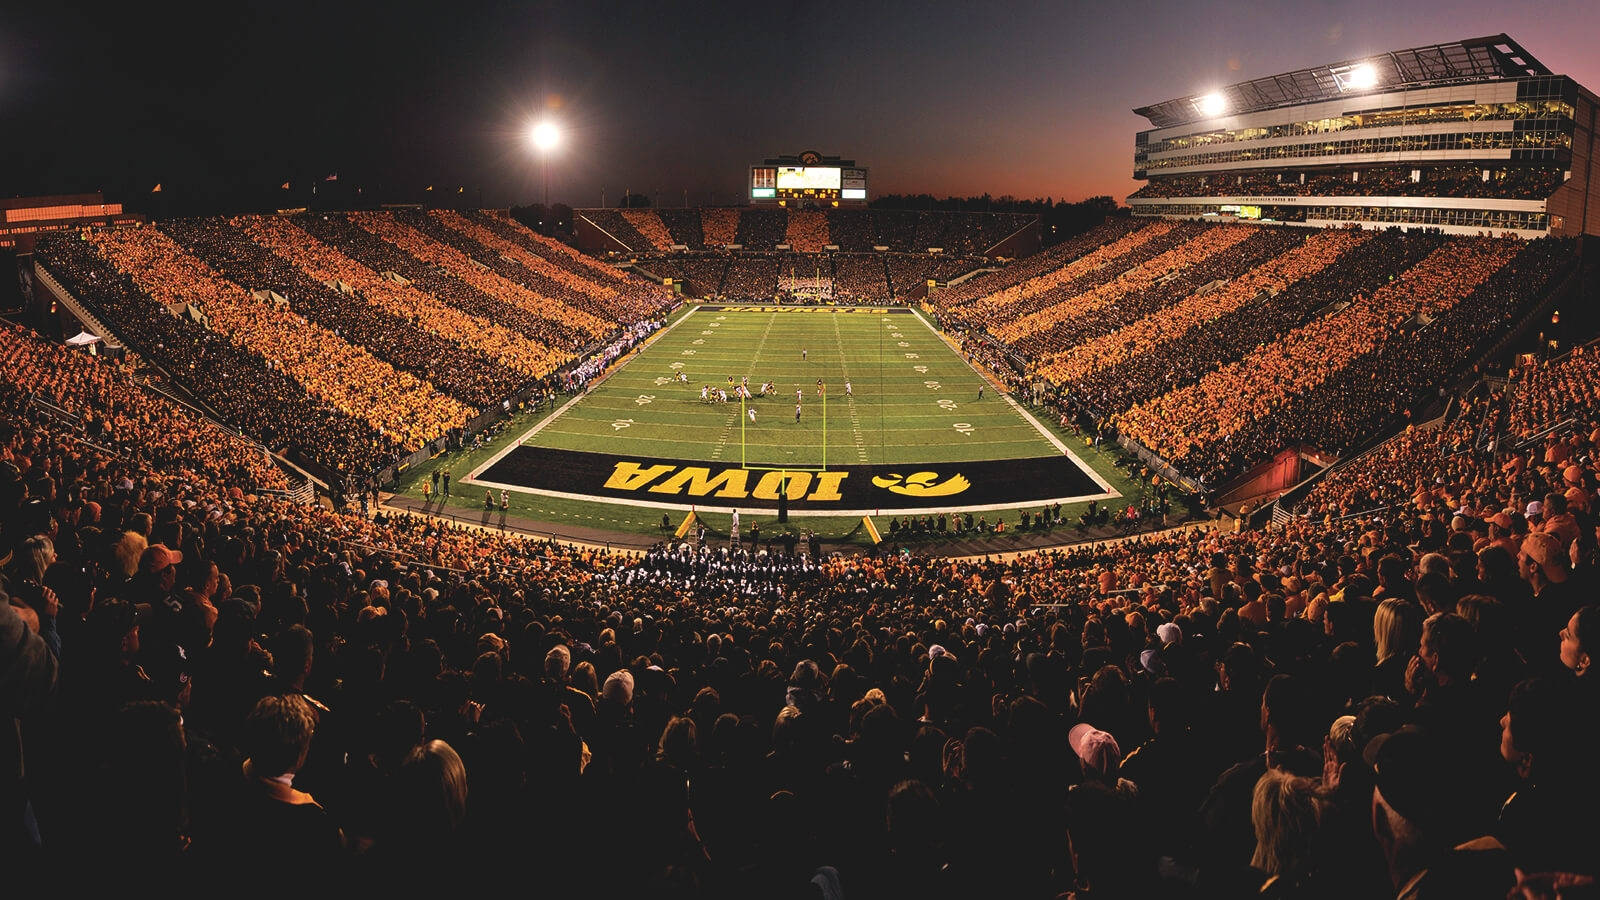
517	352
1157	367
1023	270
1230	414
1199	309
615	224
1545	396
685	226
851	230
328	367
1188	708
388	332
897	229
629	300
720	225
110	408
860	277
751	277
649	225
1216	345
378	255
761	229
247	390
807	231
1195	267
568	323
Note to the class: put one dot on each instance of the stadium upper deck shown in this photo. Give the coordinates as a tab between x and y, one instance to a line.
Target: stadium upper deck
1465	137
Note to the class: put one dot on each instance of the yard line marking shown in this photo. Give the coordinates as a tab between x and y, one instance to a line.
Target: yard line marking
850	400
523	438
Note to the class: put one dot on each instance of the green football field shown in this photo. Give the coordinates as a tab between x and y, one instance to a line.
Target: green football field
915	405
912	398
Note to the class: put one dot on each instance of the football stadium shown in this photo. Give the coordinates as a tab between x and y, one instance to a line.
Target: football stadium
1234	538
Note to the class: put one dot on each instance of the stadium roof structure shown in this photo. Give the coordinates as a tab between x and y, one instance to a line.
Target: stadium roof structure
1477	59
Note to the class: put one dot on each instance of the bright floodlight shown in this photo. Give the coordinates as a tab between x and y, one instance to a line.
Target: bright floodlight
544	136
1363	76
1213	104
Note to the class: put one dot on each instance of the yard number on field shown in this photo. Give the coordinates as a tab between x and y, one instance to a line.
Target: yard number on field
621	424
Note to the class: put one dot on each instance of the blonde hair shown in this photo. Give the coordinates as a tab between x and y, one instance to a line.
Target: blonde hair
1396	628
37	555
1286	810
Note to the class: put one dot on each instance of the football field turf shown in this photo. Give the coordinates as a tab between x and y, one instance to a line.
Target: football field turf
918	427
913	399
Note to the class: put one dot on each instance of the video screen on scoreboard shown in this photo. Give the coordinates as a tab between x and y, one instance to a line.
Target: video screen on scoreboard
807	182
763	182
804	178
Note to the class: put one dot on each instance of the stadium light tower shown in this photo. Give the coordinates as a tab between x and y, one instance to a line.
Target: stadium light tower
545	136
1363	77
1213	104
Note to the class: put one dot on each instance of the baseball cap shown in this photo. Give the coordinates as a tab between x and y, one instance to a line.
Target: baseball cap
1096	749
114	618
157	557
1543	547
1535	508
1411	769
1169	633
1149	660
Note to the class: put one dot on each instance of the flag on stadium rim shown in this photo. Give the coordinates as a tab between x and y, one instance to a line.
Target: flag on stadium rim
284	186
156	189
430	187
332	177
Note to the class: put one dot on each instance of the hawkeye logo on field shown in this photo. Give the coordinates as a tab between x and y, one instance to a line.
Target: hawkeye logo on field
923	484
731	483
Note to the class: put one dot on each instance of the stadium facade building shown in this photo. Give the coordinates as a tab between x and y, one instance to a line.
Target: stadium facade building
1463	137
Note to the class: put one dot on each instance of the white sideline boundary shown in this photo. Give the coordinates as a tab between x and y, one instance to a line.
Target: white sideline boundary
1107	492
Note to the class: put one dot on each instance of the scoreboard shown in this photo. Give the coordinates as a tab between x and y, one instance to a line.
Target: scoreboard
801	182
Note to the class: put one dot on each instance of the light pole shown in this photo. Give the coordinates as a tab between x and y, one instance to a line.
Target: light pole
545	136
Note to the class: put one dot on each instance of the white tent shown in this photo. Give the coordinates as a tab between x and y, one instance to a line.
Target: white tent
83	339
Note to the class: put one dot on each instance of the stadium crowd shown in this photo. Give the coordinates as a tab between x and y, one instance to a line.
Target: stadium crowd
1062	254
1189	421
579	281
206	683
516	352
569	325
403	340
1198	310
1099	268
1198	273
1060	305
342	374
807	231
761	229
381	256
1158	368
650	227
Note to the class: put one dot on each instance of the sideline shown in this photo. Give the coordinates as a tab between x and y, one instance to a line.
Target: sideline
514	527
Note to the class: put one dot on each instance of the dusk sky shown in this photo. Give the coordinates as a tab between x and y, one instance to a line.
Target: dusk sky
224	101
